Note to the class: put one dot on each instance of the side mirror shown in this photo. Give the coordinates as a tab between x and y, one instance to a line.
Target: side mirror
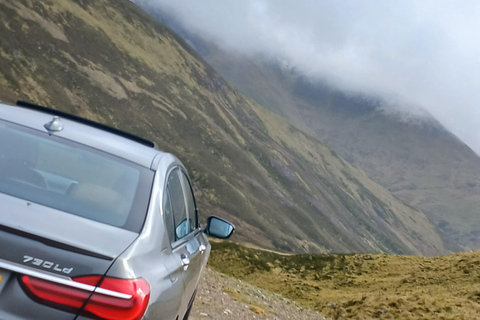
219	228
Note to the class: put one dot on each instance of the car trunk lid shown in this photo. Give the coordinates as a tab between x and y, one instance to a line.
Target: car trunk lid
52	229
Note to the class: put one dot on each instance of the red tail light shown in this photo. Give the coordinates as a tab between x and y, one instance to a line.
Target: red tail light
113	299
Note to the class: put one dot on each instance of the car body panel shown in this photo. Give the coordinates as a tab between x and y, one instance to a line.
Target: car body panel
79	233
197	261
152	256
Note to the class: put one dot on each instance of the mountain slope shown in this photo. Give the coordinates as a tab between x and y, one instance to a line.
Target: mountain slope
111	62
417	159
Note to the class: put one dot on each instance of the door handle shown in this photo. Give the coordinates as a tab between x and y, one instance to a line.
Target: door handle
185	262
202	248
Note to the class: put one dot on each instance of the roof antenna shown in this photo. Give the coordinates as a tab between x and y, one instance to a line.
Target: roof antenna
55	125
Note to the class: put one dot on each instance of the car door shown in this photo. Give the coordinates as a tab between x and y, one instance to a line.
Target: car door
196	241
171	258
184	235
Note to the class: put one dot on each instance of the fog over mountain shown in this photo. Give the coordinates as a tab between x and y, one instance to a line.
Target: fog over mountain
417	54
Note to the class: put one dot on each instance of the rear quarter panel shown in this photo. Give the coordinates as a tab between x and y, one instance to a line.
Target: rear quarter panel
150	257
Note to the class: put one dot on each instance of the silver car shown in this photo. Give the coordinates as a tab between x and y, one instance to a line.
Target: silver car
95	223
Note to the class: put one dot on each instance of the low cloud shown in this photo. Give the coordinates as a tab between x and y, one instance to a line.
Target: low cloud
423	53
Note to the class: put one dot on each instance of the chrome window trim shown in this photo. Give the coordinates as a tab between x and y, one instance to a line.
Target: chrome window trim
14	267
189	188
187	238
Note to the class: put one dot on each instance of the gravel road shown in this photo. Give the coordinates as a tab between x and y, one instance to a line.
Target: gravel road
221	297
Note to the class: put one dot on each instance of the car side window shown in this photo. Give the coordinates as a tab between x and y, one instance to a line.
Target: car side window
191	206
177	198
169	221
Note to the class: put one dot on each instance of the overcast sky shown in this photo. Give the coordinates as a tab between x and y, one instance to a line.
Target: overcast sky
424	53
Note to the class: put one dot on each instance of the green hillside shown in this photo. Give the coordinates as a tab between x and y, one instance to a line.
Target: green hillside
111	62
420	162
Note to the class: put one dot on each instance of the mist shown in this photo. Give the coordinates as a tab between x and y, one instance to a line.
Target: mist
419	54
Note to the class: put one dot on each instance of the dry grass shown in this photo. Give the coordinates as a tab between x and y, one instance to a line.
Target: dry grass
362	286
257	310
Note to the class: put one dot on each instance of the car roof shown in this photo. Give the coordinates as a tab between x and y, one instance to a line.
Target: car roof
86	132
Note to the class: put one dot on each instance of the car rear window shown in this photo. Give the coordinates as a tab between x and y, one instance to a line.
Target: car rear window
73	178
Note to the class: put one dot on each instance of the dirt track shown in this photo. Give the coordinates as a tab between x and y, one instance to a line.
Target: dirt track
222	297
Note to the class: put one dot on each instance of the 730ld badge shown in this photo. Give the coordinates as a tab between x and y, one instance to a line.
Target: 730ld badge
46	264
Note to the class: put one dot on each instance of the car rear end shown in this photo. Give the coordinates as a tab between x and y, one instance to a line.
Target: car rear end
70	203
45	279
